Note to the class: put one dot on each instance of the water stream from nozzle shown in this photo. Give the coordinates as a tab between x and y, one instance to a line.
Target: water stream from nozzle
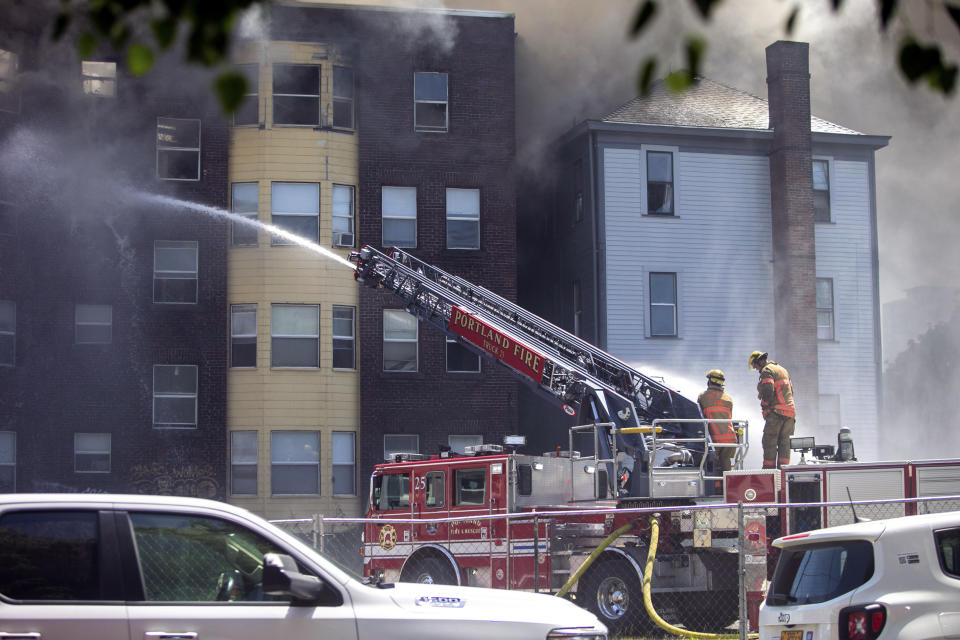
233	217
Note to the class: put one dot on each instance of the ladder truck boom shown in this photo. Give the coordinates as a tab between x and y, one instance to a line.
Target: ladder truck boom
583	379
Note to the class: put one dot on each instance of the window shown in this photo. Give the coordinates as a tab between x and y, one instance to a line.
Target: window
8	461
91	452
948	550
342	216
830	411
99	78
399	340
469	485
435	489
178	149
459	443
394	443
814	573
248	111
192	558
295	462
243	463
344	337
825	329
295	206
37	548
463	218
9	93
295	335
343	98
430	101
94	323
296	94
460	359
392	491
344	463
8	333
399	210
174	396
821	191
175	272
578	191
243	335
577	308
659	183
244	201
663	304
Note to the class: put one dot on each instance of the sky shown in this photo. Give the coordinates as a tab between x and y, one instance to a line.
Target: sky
575	61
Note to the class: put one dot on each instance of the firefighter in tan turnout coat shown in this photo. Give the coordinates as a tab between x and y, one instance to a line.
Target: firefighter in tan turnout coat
779	413
716	404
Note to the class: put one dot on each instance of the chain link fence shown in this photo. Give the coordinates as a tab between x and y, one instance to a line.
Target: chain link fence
706	565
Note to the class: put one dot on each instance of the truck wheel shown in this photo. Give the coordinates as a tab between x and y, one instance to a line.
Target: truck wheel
428	570
612	592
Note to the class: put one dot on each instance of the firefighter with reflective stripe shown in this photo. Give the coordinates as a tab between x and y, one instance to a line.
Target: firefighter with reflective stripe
779	413
718	405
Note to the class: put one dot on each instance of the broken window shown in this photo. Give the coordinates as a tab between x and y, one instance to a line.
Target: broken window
99	78
296	94
248	111
659	183
430	101
9	92
178	149
343	97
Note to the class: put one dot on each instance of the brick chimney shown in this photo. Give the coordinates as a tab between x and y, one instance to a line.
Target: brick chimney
791	199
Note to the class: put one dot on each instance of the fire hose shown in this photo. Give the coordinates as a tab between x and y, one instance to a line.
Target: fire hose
648	602
593	556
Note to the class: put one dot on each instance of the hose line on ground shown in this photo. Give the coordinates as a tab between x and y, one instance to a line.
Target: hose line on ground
593	556
648	602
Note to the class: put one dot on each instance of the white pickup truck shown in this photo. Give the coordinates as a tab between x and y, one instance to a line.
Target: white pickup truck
134	567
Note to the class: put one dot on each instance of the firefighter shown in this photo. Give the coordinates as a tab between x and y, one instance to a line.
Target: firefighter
775	392
715	403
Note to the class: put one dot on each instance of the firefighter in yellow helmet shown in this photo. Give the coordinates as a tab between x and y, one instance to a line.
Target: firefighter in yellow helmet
716	404
779	413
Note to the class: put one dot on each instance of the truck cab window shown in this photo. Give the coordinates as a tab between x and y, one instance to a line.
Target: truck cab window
392	491
435	489
470	486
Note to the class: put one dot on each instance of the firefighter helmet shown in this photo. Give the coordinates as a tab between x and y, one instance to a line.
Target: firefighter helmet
715	377
755	356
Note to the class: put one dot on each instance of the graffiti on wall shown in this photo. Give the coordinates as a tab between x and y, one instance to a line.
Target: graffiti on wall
191	480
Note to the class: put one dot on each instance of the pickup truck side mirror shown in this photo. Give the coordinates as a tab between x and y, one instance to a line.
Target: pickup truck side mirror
281	577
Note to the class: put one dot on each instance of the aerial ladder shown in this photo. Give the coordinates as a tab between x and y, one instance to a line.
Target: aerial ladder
658	432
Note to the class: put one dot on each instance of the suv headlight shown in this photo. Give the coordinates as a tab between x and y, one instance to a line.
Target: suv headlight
577	633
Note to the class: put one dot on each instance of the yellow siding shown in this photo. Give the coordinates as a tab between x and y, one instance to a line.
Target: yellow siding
266	399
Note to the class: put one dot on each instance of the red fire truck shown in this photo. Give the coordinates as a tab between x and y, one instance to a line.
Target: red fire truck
443	518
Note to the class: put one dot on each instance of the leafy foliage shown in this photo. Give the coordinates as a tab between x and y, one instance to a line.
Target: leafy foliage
207	26
917	60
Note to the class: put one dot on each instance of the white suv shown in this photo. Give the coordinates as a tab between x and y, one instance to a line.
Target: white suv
897	578
112	567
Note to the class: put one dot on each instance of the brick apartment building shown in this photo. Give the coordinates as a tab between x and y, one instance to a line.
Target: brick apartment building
112	307
696	228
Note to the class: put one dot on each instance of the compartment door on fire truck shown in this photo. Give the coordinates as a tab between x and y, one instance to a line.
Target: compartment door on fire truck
430	502
470	535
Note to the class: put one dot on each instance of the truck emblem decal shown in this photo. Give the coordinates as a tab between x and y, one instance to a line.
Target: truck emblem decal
783	618
440	601
388	537
508	351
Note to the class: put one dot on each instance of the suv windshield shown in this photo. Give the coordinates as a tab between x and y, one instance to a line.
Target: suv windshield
819	572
